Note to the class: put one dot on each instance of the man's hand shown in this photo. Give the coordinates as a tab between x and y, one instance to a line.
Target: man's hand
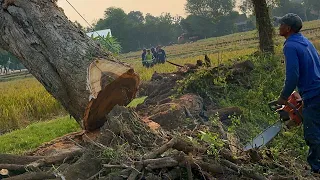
282	101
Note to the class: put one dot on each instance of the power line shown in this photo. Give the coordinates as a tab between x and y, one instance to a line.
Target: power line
90	25
79	14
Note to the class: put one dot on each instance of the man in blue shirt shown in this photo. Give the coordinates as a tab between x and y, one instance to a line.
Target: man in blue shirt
303	72
161	55
143	56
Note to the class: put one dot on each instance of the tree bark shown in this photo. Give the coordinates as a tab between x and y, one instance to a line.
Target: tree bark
72	67
264	26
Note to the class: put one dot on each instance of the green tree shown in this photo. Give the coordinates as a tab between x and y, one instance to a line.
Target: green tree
134	31
7	60
3	59
209	8
288	6
198	26
246	6
116	20
313	5
136	17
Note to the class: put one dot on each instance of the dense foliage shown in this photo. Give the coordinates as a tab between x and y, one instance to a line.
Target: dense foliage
265	83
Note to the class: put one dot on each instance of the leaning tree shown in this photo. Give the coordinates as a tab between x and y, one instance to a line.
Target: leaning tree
86	80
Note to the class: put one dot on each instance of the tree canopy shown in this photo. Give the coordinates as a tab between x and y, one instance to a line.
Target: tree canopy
135	31
206	18
210	8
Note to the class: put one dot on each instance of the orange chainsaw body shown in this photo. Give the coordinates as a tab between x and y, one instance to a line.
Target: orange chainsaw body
292	111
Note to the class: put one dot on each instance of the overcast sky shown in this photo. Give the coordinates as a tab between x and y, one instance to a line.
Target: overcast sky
92	10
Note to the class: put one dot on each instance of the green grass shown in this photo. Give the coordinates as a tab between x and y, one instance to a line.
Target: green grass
29	138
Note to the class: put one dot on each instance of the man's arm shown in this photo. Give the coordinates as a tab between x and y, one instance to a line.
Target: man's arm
292	72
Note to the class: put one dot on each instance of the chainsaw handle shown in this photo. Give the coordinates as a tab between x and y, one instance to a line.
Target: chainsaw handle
273	105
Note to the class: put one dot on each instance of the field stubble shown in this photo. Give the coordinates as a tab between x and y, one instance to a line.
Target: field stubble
25	101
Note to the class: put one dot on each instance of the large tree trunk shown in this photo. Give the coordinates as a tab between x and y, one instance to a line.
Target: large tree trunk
73	68
264	25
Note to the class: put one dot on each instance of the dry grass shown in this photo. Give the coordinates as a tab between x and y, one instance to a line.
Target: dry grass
24	101
146	73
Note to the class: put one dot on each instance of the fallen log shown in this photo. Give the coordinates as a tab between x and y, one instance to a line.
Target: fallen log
246	172
162	149
152	155
12	167
175	143
18	160
166	162
188	166
87	166
33	176
188	147
84	78
212	168
173	174
50	160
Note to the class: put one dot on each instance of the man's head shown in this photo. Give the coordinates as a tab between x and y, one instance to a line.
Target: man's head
144	50
289	24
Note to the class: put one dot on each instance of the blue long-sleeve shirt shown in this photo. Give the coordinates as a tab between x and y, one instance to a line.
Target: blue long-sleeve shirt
143	56
302	67
161	55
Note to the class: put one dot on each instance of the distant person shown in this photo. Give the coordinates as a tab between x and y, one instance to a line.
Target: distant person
149	59
161	55
143	56
154	53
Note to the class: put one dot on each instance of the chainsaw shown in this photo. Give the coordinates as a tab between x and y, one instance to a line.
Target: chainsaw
290	115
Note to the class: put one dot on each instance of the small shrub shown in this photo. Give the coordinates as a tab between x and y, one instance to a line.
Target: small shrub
214	141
